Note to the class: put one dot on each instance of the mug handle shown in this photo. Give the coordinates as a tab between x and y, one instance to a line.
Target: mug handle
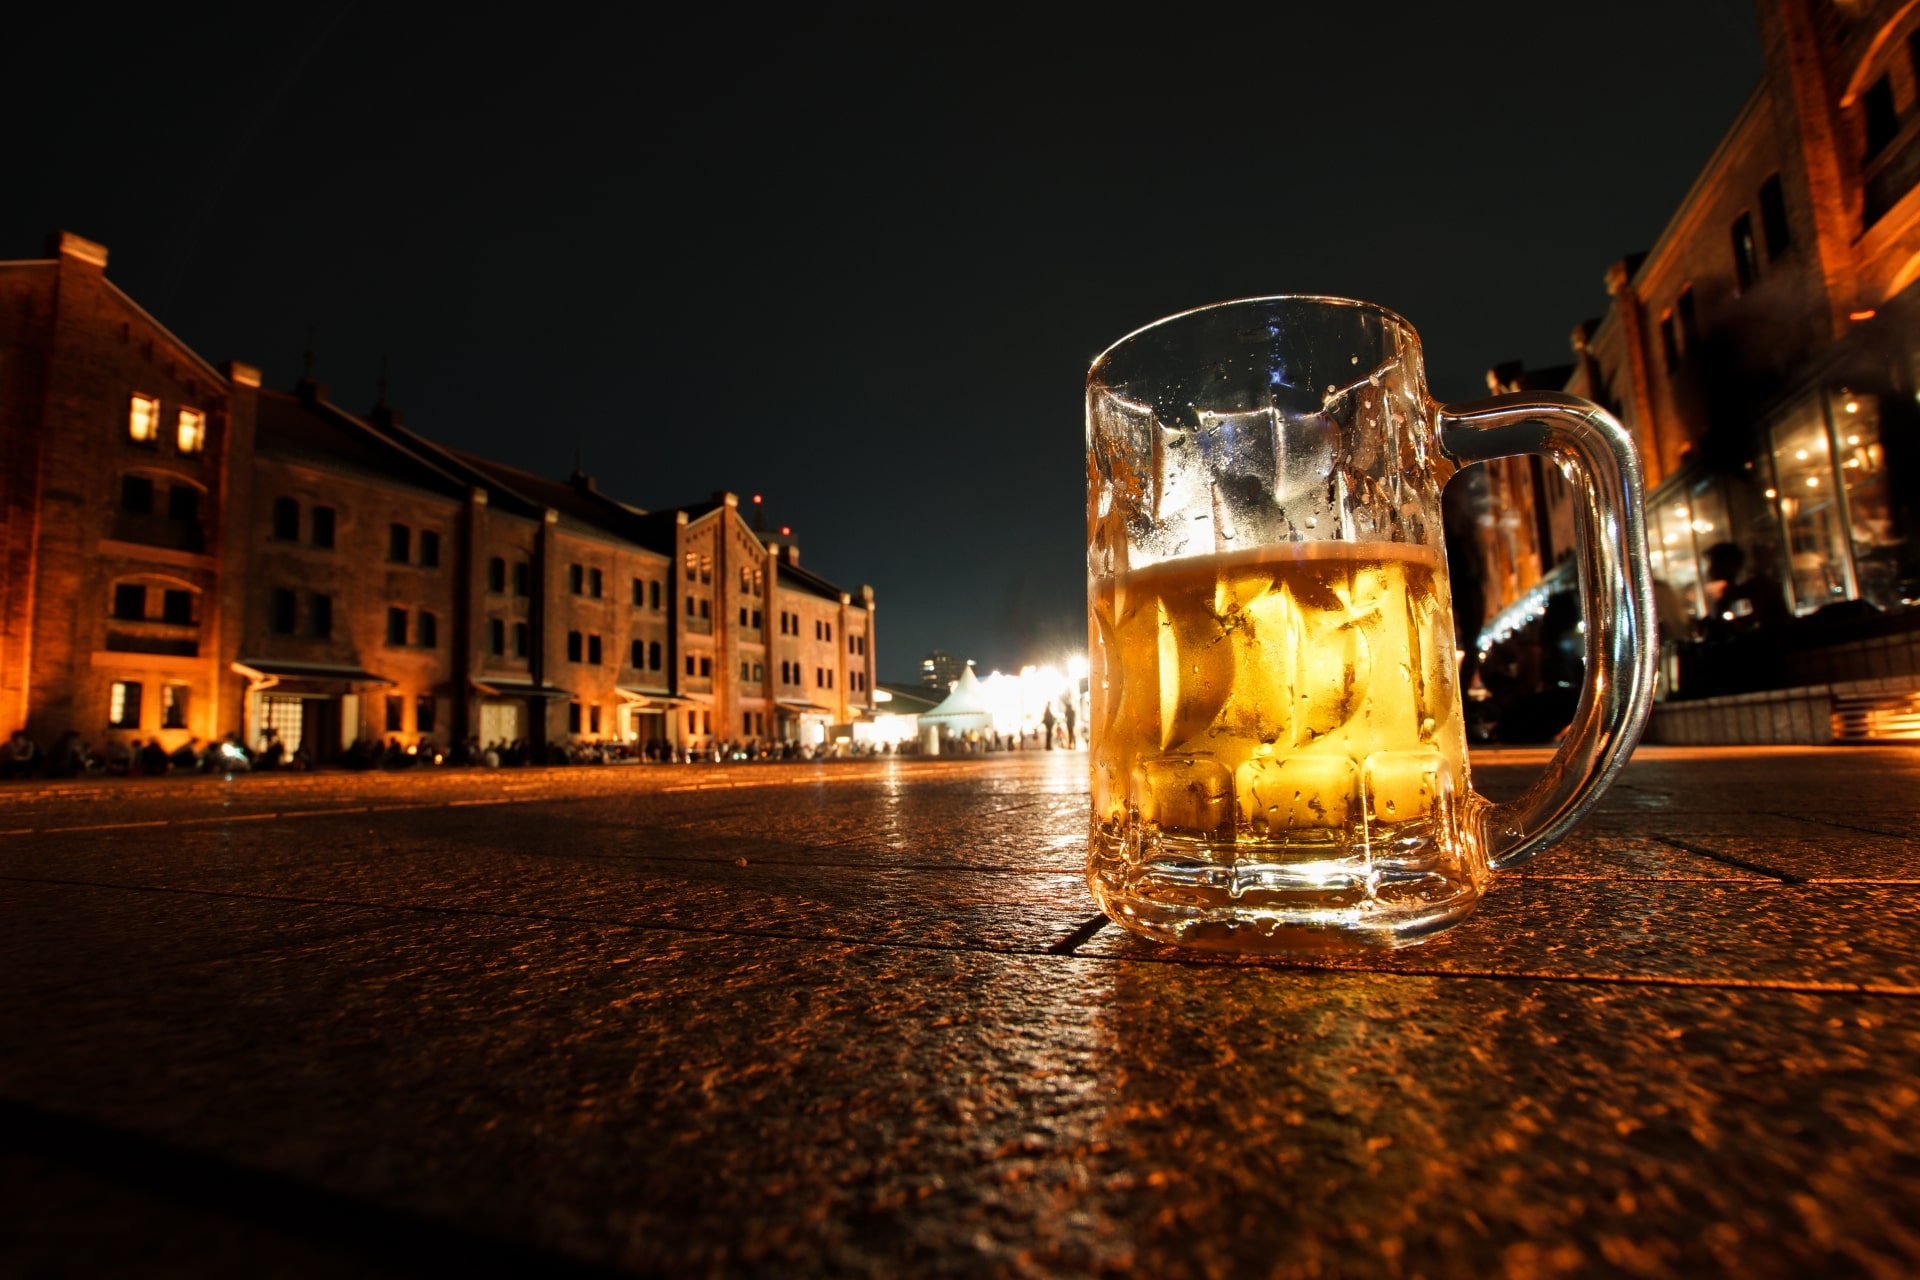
1598	458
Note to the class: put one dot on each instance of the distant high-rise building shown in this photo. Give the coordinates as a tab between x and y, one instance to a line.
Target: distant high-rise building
939	669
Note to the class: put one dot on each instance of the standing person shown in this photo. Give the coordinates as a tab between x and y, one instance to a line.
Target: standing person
1073	742
22	756
1047	721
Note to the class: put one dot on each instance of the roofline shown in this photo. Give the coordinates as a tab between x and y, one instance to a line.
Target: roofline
321	402
175	338
1683	212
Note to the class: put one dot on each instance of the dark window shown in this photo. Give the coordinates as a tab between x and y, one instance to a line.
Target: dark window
396	712
396	626
744	668
706	667
743	615
429	548
691	611
573	717
756	619
522	639
129	601
1669	344
423	714
1773	218
637	655
320	616
759	673
522	577
653	596
593	718
577	579
323	527
596	584
746	723
593	650
497	637
829	635
136	495
639	593
399	543
177	607
1883	122
1746	254
816	628
690	666
183	504
573	646
280	612
123	711
653	656
173	706
286	519
496	574
705	606
429	630
1689	320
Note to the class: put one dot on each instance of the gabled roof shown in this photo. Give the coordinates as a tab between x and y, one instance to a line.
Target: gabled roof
792	575
302	426
578	503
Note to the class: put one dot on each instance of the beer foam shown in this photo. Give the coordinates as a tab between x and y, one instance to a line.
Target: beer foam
1281	553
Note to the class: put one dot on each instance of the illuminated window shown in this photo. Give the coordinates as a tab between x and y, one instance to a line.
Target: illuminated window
123	704
706	568
193	430
143	419
173	706
693	566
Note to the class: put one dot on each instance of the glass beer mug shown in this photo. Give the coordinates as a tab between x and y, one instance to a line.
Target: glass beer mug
1279	756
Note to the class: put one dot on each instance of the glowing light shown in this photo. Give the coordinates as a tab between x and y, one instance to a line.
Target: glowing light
1853	439
1671	538
1813	482
1868	314
193	430
1853	406
786	530
1801	454
143	419
756	498
1680	512
1773	493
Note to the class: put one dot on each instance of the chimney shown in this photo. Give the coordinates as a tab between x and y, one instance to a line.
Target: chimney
69	245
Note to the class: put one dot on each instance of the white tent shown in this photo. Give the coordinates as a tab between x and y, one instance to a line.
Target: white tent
963	710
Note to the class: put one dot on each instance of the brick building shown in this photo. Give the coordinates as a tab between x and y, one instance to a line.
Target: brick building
1765	354
185	554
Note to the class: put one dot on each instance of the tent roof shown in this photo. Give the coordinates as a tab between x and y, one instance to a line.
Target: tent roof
964	708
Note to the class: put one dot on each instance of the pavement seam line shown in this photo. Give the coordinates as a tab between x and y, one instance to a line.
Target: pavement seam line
1269	964
1687	846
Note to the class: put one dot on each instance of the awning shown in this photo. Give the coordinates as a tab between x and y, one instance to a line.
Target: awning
804	707
313	679
491	688
653	699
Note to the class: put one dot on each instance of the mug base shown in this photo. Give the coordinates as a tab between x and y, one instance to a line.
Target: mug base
1274	930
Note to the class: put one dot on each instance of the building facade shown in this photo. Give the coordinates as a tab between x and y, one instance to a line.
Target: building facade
1765	355
186	554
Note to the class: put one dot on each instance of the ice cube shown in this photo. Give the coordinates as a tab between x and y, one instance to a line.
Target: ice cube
1186	795
1402	786
1301	794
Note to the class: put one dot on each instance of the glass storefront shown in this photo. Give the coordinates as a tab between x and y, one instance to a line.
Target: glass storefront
1876	547
1812	509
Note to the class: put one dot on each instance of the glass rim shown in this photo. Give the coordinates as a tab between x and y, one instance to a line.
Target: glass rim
1326	299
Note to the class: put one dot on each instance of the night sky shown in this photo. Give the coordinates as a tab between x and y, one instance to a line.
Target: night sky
851	267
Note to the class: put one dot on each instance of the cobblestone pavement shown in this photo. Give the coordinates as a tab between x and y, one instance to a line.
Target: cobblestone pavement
864	1018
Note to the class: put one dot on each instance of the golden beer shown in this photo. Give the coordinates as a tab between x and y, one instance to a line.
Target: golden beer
1278	726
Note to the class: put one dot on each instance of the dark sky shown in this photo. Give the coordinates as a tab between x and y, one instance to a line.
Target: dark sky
859	269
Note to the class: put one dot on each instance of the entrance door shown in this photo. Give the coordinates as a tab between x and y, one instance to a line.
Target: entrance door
502	722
